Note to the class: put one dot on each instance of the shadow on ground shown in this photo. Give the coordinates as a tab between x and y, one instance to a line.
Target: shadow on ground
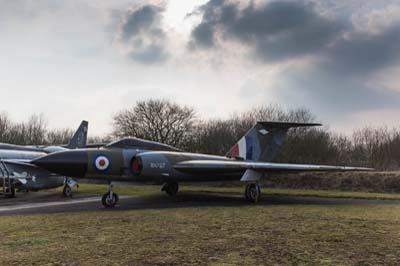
33	203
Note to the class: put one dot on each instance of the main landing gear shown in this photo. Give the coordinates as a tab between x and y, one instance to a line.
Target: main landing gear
69	183
170	188
252	192
110	199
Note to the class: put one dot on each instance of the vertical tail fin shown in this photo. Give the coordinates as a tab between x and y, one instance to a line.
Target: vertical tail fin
80	137
261	143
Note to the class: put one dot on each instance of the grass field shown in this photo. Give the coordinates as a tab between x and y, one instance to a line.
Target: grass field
381	182
252	235
144	190
243	235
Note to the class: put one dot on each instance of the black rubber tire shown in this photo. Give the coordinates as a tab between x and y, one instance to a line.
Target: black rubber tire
67	192
12	195
107	202
253	193
172	189
246	193
116	197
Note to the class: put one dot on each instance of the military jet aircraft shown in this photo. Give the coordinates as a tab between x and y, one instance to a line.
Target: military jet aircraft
17	173
144	161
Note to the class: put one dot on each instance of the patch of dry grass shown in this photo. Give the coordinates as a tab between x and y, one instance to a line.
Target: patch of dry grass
381	182
252	235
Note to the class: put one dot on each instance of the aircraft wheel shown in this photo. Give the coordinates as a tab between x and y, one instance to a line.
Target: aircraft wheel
109	200
12	194
253	192
171	189
67	191
246	192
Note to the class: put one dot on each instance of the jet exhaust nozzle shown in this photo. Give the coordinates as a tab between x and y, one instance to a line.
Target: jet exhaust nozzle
136	165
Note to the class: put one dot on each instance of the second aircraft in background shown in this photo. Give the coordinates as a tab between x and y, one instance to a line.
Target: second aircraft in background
17	173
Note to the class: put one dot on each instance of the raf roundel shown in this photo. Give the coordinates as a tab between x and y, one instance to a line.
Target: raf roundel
102	163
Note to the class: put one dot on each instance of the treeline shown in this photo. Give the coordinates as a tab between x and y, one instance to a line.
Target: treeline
31	132
34	131
173	124
170	123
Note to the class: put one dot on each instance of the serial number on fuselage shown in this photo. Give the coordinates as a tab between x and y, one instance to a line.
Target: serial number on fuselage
157	165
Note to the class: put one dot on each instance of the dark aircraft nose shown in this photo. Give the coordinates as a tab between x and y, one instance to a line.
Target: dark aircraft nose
69	163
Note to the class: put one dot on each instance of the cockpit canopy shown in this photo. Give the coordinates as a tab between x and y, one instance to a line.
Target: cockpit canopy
132	143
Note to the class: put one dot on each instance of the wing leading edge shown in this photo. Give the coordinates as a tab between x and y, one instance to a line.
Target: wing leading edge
200	166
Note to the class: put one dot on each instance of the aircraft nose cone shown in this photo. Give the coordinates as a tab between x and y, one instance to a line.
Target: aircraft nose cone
68	163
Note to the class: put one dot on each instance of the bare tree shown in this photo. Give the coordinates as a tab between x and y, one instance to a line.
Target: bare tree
35	130
213	136
100	139
31	132
59	136
167	122
5	124
217	136
377	147
157	120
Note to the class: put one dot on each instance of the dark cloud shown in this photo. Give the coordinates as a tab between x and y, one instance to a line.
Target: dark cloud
329	92
143	32
203	35
345	59
340	80
275	31
363	53
149	55
283	30
214	14
141	20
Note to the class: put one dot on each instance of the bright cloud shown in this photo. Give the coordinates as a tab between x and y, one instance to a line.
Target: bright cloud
87	59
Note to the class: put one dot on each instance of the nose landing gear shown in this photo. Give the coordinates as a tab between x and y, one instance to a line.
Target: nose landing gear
67	191
69	183
110	199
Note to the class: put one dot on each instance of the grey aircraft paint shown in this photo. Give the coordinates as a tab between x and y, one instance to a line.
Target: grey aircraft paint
162	163
29	177
137	160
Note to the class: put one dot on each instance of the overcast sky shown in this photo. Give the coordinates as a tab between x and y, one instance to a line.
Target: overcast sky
73	60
